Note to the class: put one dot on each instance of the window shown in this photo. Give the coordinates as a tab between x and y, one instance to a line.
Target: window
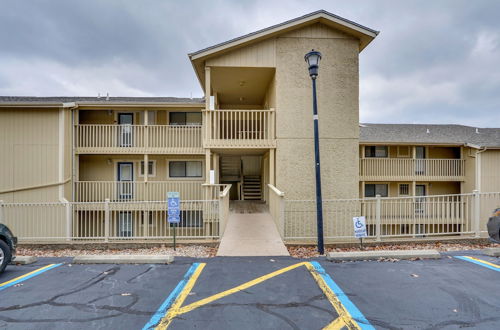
185	118
372	190
404	151
151	168
185	169
376	151
404	189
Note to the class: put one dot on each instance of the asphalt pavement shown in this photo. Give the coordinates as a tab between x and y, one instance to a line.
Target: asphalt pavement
254	293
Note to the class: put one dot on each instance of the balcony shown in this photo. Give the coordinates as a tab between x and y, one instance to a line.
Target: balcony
239	129
396	169
151	139
121	191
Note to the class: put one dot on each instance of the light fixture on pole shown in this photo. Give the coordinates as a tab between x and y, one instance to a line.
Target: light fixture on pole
312	58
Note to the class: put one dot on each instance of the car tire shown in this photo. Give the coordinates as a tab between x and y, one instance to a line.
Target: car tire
5	255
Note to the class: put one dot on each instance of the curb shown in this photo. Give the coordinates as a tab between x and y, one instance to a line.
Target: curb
383	254
24	260
123	259
492	252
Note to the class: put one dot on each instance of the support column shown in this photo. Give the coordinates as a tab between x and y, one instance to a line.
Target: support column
271	167
146	167
208	165
217	167
61	155
208	87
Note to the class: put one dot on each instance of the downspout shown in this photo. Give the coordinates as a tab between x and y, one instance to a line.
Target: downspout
72	106
478	168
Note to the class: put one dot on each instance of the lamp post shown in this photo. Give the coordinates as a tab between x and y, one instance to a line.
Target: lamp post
312	58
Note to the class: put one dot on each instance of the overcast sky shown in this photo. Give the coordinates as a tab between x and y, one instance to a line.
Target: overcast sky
433	62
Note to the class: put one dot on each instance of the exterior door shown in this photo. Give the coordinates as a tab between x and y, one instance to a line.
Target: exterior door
125	224
420	161
125	133
420	192
125	180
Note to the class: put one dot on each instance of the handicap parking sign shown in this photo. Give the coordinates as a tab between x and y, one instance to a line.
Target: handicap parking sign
173	203
359	227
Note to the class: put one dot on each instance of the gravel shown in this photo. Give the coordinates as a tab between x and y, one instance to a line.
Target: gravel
311	251
195	251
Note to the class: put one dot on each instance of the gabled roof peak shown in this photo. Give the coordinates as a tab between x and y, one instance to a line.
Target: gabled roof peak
365	34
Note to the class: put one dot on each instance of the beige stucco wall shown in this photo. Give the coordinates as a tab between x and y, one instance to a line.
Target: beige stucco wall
490	171
109	118
103	167
470	170
338	113
433	188
29	151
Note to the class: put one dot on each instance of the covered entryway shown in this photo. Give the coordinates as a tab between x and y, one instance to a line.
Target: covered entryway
245	174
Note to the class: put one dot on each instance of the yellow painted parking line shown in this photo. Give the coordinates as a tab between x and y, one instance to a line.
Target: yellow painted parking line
29	275
480	262
349	316
484	262
238	288
172	312
344	317
336	324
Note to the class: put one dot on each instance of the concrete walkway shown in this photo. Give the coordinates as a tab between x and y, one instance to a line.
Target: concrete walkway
251	234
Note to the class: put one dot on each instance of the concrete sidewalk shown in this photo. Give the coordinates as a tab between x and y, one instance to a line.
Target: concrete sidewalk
251	234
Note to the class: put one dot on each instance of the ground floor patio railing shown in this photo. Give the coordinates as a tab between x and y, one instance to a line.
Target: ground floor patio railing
405	217
114	221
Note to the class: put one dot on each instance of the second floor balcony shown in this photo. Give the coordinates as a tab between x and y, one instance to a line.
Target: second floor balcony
397	169
152	139
239	128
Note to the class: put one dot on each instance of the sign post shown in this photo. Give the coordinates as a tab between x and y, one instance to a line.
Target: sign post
360	229
174	211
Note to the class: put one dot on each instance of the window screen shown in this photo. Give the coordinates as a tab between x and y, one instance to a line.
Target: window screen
150	168
376	151
185	118
372	190
185	169
404	189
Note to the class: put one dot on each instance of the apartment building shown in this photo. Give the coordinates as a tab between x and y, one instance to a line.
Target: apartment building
249	138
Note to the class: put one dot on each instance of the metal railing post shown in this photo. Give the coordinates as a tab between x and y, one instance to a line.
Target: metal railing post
1	212
377	218
477	212
69	220
106	220
282	216
222	217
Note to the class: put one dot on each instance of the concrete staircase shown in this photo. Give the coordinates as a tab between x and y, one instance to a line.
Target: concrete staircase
252	188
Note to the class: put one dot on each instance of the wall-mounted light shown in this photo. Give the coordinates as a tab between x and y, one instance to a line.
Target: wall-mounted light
110	112
110	161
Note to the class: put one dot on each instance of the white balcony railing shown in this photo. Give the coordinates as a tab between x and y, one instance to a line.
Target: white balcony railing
240	128
99	191
462	215
138	138
411	169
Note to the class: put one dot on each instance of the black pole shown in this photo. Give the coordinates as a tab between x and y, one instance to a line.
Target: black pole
319	200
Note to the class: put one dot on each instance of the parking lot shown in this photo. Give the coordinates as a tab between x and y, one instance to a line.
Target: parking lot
254	293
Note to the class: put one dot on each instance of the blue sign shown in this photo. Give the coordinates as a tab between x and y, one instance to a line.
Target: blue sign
173	203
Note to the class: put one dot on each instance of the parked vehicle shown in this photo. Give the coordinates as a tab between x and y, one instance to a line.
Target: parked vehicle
8	244
494	226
